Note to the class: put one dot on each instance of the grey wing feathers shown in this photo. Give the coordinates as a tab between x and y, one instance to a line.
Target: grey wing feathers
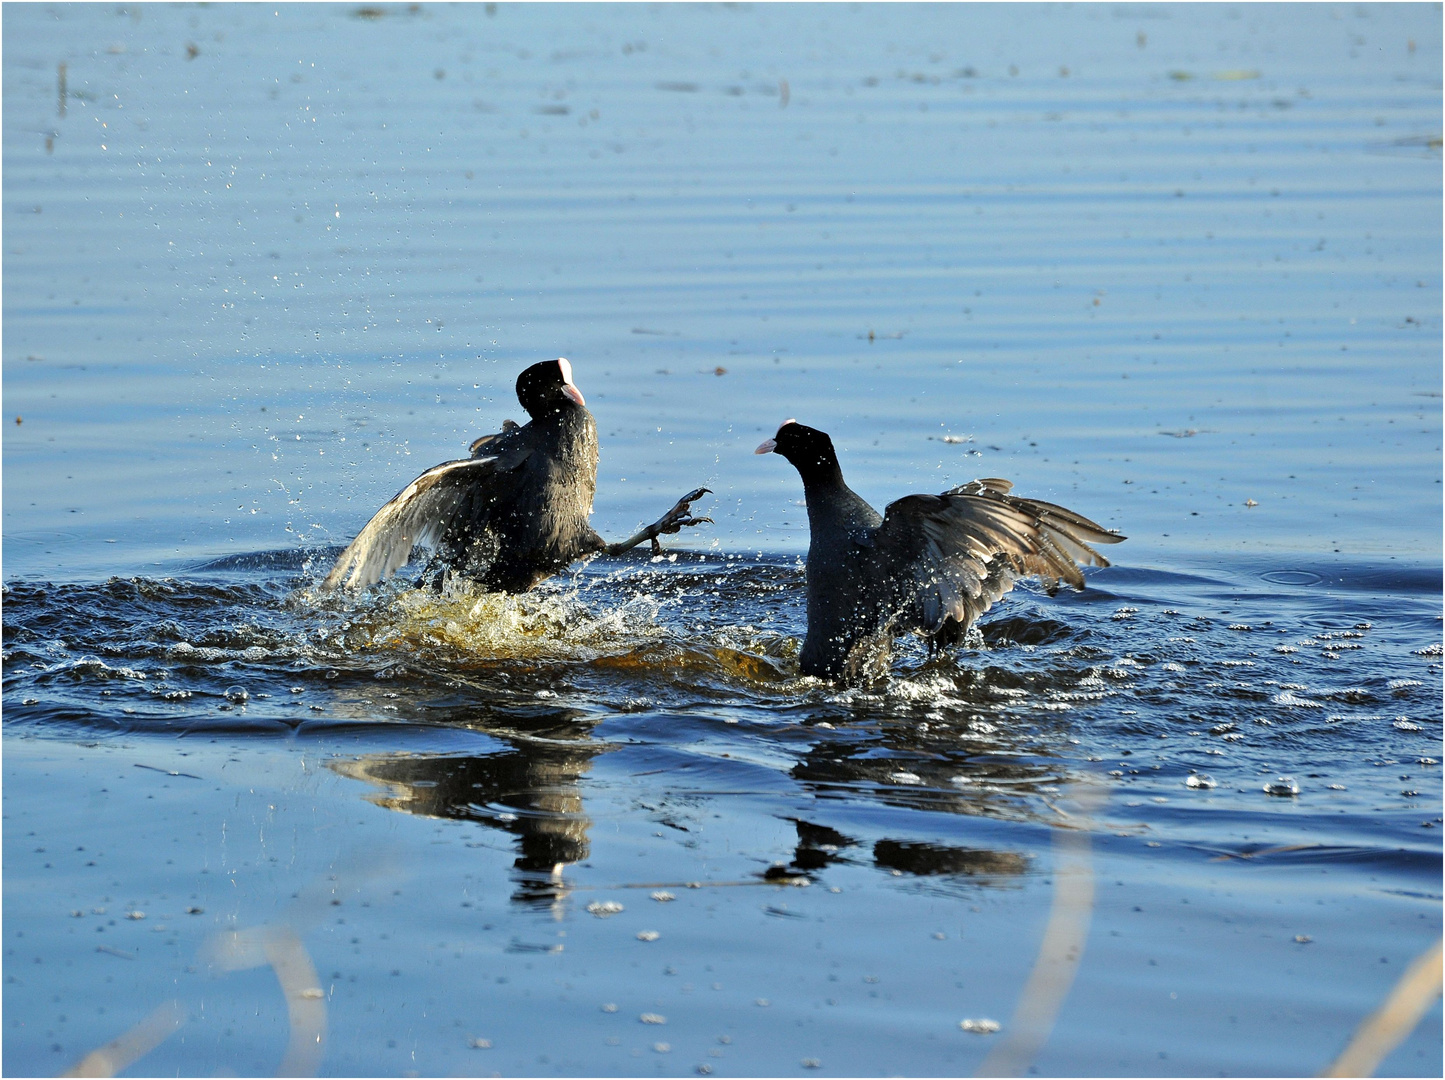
965	548
418	515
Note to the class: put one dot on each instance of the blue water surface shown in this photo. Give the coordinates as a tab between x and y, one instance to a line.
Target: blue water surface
1176	267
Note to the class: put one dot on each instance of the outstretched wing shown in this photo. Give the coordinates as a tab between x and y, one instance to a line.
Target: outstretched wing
440	502
958	552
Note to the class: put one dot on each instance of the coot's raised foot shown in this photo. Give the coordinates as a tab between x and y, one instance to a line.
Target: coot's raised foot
675	520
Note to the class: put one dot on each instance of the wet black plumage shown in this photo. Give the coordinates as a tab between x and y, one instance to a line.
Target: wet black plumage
514	512
931	564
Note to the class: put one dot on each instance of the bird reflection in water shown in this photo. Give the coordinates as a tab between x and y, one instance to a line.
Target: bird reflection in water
530	789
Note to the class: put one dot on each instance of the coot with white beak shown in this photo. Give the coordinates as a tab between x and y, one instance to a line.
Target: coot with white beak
515	511
931	565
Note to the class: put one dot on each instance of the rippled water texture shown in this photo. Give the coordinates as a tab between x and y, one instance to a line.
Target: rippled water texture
1174	267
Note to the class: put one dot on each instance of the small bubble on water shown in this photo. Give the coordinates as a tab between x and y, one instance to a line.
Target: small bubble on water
480	1044
1283	786
653	1018
662	896
236	694
812	1063
661	1048
603	908
979	1027
1303	939
1201	780
648	935
609	1008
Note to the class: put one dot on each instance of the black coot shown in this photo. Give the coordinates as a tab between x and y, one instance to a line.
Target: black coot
514	512
932	564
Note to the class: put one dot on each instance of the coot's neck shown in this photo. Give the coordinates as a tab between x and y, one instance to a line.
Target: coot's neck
821	475
561	416
831	503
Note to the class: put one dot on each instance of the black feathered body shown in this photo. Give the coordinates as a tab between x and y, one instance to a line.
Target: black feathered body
530	520
840	555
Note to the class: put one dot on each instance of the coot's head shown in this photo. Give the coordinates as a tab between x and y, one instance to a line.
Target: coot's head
810	450
547	388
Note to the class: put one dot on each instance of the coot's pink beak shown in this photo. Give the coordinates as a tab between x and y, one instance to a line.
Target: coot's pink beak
767	447
571	393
